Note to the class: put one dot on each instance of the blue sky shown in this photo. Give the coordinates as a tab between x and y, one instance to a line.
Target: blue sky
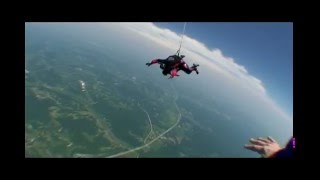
264	49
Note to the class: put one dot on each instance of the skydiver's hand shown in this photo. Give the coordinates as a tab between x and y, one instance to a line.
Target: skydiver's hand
197	72
148	64
265	147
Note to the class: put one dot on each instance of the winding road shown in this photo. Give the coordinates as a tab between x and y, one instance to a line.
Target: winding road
151	128
153	140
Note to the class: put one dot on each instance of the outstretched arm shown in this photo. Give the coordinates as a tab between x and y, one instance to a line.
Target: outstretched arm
159	61
152	62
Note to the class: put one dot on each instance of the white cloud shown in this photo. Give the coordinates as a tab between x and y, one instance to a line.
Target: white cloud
198	52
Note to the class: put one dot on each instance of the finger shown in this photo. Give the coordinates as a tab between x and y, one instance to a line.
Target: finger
253	147
271	139
263	140
257	142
